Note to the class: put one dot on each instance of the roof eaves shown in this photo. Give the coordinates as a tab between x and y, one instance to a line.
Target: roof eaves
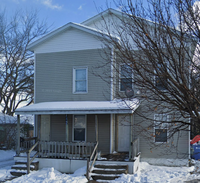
65	27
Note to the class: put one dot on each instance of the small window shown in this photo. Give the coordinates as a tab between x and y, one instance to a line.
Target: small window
161	128
126	77
80	80
79	133
160	79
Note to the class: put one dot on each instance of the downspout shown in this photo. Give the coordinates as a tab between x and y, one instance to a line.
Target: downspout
35	116
112	74
111	97
111	132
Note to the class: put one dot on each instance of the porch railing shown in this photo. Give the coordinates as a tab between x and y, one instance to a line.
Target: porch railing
29	161
90	163
134	150
26	143
71	150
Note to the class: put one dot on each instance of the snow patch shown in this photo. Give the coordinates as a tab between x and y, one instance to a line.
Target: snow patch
166	162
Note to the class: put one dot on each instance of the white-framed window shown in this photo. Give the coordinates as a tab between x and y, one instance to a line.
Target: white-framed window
161	127
79	128
80	80
160	79
126	77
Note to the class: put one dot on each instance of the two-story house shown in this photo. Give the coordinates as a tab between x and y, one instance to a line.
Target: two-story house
75	108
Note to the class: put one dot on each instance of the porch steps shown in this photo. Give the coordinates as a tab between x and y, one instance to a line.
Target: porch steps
20	168
107	172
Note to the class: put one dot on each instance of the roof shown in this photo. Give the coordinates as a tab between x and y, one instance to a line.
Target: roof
81	107
102	14
81	27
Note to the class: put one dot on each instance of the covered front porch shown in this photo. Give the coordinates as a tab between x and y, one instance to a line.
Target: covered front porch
77	130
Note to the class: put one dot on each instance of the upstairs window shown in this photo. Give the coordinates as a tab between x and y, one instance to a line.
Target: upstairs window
160	79
161	127
80	80
126	77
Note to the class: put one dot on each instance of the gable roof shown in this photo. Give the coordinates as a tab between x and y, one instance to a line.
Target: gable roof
81	27
102	14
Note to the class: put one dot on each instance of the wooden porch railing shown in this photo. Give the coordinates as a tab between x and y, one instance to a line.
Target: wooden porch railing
29	161
26	143
134	150
54	149
90	163
71	150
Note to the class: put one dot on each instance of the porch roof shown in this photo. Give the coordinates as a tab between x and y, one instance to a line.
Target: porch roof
81	107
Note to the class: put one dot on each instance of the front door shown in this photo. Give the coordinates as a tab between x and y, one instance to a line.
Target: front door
124	126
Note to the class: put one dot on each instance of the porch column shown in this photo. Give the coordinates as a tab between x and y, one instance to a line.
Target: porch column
131	136
18	135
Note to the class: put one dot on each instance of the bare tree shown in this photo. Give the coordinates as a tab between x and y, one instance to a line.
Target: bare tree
156	48
16	62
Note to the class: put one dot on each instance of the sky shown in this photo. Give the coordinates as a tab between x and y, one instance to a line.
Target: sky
58	12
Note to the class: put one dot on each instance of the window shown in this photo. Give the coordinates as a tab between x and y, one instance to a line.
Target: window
80	80
161	127
126	77
160	79
79	130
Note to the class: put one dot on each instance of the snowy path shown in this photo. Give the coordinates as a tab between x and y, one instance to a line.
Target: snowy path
7	162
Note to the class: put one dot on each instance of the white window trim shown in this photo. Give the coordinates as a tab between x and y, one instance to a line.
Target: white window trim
74	76
157	76
122	78
168	116
85	128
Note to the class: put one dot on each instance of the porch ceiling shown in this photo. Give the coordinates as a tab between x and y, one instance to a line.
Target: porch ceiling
81	107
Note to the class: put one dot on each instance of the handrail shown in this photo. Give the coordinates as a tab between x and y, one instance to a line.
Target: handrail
134	149
26	142
89	168
28	156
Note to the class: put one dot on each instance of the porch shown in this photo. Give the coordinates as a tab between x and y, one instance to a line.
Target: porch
76	133
69	156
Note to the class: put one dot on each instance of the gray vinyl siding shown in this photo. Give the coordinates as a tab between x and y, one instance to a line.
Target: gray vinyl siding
54	76
91	136
104	133
58	128
70	120
176	147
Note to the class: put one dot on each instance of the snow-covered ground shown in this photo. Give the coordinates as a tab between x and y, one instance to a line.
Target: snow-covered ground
146	174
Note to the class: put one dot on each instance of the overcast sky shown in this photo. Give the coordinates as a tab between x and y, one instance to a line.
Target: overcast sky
58	12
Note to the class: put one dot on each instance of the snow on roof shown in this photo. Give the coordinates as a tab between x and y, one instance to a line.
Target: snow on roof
6	119
81	107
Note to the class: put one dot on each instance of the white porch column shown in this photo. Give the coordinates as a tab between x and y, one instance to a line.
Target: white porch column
18	135
112	119
131	136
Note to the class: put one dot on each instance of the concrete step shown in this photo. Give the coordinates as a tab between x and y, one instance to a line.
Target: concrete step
104	177
111	166
34	163
17	173
20	168
107	172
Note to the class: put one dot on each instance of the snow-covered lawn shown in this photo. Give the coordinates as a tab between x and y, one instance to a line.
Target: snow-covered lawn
146	174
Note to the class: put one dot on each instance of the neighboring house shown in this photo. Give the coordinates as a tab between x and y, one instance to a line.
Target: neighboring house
8	130
72	105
